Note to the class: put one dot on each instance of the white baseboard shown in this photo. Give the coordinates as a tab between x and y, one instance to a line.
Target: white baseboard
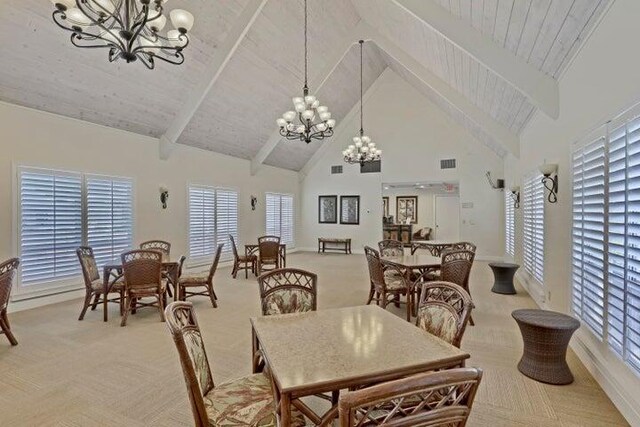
489	258
29	303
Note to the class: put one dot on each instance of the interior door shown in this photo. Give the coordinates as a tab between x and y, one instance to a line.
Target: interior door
447	218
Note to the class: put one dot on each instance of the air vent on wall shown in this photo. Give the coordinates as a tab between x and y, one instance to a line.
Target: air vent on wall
336	169
448	164
371	167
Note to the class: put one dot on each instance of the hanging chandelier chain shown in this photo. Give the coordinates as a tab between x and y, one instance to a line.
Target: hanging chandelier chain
361	104
306	53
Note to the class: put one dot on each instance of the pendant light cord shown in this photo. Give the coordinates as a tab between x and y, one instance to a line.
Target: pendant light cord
305	46
361	105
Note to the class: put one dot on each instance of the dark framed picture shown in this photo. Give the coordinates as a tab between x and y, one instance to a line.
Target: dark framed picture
385	206
407	209
350	210
328	209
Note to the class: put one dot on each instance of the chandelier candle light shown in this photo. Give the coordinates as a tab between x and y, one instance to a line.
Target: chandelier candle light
130	29
315	120
363	150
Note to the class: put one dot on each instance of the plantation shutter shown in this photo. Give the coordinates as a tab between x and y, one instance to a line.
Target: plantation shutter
273	214
509	224
109	217
533	215
287	224
280	217
202	221
50	225
588	250
226	219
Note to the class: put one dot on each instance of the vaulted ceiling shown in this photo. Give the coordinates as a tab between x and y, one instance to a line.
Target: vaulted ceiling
488	63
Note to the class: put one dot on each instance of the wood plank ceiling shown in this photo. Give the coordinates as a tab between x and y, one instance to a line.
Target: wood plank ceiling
40	69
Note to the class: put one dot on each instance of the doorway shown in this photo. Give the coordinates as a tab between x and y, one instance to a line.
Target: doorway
447	218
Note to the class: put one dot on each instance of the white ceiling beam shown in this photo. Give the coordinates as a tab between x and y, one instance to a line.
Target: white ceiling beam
502	135
541	89
217	64
315	84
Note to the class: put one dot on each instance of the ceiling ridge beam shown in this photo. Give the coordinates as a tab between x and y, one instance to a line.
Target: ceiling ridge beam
341	127
501	134
215	67
316	84
539	88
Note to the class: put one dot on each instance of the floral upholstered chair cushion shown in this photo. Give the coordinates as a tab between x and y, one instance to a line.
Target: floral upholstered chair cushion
438	320
195	348
391	251
394	281
288	300
89	265
195	279
247	401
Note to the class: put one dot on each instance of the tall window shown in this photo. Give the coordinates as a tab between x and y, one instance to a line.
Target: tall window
533	224
280	219
213	216
606	237
60	211
510	224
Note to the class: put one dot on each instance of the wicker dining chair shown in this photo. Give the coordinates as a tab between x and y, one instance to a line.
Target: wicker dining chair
187	283
246	401
288	290
444	311
388	283
8	270
242	262
442	398
391	248
456	268
268	252
467	246
142	279
94	285
160	246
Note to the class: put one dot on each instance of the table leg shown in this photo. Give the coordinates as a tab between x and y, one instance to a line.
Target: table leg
285	410
255	346
105	299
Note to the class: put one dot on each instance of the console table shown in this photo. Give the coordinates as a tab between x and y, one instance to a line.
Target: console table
334	244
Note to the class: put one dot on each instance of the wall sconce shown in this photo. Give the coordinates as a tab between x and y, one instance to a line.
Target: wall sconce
550	180
497	185
515	195
164	196
254	202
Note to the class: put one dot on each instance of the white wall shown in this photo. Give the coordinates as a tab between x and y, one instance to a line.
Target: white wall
601	82
414	135
33	138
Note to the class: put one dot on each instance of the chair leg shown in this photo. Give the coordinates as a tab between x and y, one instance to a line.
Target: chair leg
234	272
371	292
127	309
95	302
246	270
122	300
471	321
212	296
409	305
6	328
87	302
133	304
161	307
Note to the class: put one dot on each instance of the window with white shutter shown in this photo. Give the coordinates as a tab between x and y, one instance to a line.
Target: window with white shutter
213	216
280	217
510	224
606	236
50	225
533	225
109	217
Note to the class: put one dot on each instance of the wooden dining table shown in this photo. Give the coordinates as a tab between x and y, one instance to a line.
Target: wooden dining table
435	247
419	262
335	349
252	249
111	273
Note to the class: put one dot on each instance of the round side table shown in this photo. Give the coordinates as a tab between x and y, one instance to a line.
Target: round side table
546	336
503	273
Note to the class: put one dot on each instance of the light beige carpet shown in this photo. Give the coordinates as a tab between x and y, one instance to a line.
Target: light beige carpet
90	373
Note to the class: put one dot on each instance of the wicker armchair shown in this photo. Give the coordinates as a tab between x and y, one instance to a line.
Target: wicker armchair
94	285
242	262
143	279
444	311
391	248
388	283
456	268
467	246
246	401
158	245
268	252
187	283
440	398
288	290
8	271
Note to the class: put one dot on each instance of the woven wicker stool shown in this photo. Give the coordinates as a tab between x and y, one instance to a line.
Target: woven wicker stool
546	335
503	273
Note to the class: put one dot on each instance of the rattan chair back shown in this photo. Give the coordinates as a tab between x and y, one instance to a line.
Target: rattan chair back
268	249
160	246
90	271
456	267
183	325
391	248
8	271
448	299
288	290
216	260
376	270
236	257
142	269
442	398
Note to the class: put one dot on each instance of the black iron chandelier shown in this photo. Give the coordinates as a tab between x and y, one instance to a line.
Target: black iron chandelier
315	120
130	29
363	150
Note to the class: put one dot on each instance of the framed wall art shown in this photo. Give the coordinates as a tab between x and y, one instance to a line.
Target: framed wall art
350	210
328	209
407	209
385	206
